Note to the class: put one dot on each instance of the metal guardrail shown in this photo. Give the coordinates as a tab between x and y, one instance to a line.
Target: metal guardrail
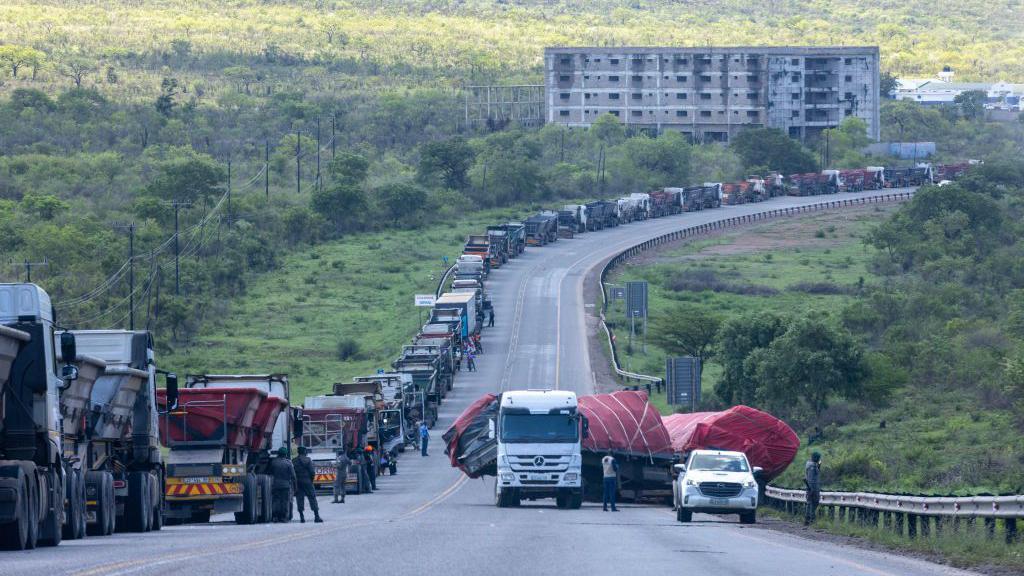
444	279
716	225
918	513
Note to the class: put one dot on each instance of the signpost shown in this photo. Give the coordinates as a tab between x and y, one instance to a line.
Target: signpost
682	381
424	300
636	305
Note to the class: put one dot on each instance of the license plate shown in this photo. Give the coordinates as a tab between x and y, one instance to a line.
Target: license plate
325	470
537	477
719	501
200	480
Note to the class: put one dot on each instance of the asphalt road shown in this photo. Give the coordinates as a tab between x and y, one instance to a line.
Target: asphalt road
430	519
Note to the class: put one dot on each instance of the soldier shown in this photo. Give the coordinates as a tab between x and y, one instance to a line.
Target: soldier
283	473
341	464
304	486
812	479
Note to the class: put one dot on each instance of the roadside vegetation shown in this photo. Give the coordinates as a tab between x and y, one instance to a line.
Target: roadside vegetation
890	342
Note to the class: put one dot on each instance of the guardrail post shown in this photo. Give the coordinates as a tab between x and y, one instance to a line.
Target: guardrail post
990	528
832	513
912	526
887	519
842	513
939	525
1011	530
926	526
897	524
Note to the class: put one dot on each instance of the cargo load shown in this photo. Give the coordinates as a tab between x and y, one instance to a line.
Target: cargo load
767	441
214	415
468	445
625	423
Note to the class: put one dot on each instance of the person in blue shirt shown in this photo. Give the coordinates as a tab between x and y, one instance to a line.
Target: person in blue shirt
424	438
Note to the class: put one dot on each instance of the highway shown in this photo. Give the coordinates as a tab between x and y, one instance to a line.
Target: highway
430	519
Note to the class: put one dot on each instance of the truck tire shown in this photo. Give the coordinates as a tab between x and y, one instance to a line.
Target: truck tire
14	534
74	527
33	510
250	502
561	500
683	515
136	509
748	517
53	522
100	485
267	498
156	489
576	500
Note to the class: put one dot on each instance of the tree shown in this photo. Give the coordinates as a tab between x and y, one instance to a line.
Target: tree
165	101
740	337
187	175
846	142
76	68
971	104
343	205
449	160
400	201
687	330
811	362
608	129
887	85
17	57
348	168
772	148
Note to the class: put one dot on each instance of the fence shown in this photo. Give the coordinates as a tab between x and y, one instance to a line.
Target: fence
700	229
913	516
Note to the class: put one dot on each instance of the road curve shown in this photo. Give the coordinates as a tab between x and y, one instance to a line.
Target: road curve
430	519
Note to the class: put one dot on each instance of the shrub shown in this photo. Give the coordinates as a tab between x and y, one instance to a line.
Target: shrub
347	349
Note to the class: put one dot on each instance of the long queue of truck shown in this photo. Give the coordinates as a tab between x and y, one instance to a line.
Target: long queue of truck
89	444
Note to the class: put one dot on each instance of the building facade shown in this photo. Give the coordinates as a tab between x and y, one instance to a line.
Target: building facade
710	94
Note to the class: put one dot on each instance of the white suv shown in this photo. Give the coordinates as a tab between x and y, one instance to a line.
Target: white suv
715	482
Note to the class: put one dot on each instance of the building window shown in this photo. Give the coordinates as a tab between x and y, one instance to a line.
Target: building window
751	113
597	60
564	95
705	96
795	96
638	113
681	61
563	112
796	113
613	61
587	96
637	96
613	96
848	78
680	78
566	60
796	78
705	78
848	61
614	113
753	78
736	60
795	62
848	96
564	78
680	95
638	78
849	112
705	113
613	78
586	77
681	113
752	95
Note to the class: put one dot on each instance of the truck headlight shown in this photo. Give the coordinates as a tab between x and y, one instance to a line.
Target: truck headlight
507	477
570	476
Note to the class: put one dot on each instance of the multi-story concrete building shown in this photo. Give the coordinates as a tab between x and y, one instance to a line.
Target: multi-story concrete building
710	94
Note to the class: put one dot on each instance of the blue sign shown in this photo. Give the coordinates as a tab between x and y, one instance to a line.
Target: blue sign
380	371
444	259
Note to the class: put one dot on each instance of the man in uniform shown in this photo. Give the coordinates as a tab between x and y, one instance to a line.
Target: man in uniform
371	466
305	473
283	473
812	479
341	464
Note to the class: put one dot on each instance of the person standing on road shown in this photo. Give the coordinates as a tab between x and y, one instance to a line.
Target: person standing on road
812	479
341	463
371	467
610	468
424	438
283	474
471	360
490	318
305	473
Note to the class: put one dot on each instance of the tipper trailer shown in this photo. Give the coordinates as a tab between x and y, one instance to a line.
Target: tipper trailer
220	430
541	229
332	424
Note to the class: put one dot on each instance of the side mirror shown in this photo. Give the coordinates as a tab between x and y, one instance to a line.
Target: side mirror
171	384
757	470
679	468
586	427
297	423
68	348
490	429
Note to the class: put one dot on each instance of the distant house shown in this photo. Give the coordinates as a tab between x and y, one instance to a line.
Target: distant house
935	92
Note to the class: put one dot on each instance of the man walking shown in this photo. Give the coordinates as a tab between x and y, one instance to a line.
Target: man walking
424	438
812	480
341	463
471	360
611	469
490	318
305	473
283	474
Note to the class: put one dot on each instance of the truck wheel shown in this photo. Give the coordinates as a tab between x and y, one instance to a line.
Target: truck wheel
100	485
136	510
576	500
501	496
749	517
33	512
14	534
53	522
683	515
267	501
156	490
562	500
73	527
250	502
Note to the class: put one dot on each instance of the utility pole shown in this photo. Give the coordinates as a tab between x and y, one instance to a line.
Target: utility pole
177	205
298	156
561	153
266	168
229	189
334	120
28	267
485	180
130	227
317	152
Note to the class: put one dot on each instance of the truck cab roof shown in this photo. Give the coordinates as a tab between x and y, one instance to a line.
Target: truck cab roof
21	301
539	401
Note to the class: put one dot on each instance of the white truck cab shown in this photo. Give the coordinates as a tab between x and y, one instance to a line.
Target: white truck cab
715	482
539	433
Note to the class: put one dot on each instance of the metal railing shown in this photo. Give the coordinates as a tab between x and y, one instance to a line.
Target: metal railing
700	229
444	280
920	514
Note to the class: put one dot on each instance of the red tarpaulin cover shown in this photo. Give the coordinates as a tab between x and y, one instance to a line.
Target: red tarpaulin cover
264	421
455	431
767	441
624	422
201	414
324	424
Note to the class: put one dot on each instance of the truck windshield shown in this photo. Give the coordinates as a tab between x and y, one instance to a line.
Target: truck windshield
548	428
718	463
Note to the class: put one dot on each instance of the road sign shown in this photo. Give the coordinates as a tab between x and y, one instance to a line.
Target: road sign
682	381
617	293
444	259
636	299
424	300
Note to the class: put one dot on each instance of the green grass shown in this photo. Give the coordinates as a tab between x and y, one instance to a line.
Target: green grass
966	548
360	288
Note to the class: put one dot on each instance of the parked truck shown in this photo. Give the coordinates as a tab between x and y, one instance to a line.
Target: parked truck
118	439
333	424
541	229
602	214
466	304
33	472
480	245
220	431
516	238
500	249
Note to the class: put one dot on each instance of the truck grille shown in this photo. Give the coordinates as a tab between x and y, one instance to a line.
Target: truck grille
720	489
539	463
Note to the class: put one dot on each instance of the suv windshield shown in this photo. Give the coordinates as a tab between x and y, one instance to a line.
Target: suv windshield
718	463
550	428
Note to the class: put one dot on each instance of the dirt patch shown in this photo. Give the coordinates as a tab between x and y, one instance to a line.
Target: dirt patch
605	378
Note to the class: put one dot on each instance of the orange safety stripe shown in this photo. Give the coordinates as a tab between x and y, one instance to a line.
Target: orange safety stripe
205	489
324	478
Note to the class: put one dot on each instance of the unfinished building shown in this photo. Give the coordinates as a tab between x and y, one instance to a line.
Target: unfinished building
710	94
